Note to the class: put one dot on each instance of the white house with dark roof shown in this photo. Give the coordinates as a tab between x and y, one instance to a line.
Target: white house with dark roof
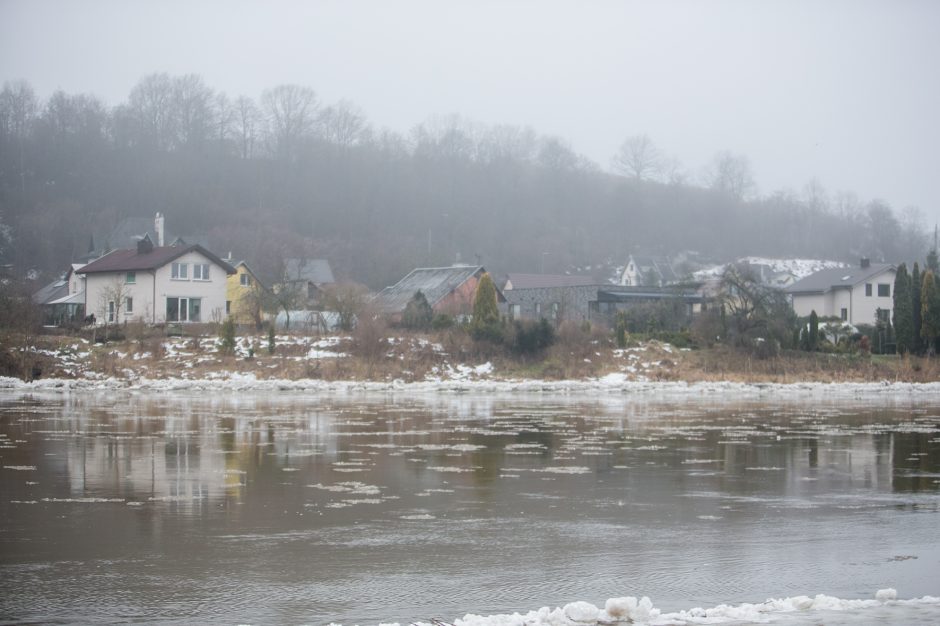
853	294
156	284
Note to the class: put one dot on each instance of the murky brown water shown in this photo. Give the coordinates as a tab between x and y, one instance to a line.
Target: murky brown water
359	509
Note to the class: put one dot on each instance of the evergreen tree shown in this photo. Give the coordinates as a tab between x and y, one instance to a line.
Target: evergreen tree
485	323
917	346
903	311
813	342
418	313
929	311
933	262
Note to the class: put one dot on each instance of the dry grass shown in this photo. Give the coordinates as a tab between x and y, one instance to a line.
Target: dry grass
579	353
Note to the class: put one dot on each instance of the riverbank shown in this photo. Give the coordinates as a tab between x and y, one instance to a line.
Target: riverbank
451	362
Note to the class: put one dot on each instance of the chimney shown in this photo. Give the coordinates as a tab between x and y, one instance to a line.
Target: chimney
865	262
144	245
158	228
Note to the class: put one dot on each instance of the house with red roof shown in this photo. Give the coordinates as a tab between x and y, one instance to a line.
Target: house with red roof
156	284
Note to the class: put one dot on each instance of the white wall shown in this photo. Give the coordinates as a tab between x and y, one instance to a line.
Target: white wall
803	305
864	307
212	291
100	288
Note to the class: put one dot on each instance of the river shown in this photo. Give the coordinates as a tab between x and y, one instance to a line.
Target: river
234	507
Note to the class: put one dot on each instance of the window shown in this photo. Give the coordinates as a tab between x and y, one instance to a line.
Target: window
882	315
538	309
130	278
884	290
228	307
179	271
868	289
183	309
111	311
128	305
515	311
245	280
554	310
200	271
844	315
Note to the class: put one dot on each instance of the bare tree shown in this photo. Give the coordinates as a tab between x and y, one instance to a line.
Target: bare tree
347	300
112	304
247	118
290	111
192	103
731	174
913	232
18	109
224	115
638	158
342	124
815	196
150	105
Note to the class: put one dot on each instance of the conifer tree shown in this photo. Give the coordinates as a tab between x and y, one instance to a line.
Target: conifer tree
933	262
929	311
813	342
917	347
903	311
418	313
485	322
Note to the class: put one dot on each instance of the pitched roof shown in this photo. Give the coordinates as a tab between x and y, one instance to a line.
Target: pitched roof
131	260
53	291
541	281
661	265
434	282
316	271
837	278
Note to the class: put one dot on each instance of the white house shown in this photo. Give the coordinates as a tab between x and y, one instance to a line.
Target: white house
156	284
648	271
853	294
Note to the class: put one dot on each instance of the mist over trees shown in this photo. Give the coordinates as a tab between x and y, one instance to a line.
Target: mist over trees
288	175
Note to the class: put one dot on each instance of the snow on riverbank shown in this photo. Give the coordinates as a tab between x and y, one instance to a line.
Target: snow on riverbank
463	383
885	607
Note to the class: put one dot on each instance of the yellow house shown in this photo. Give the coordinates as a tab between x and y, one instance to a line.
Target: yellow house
243	295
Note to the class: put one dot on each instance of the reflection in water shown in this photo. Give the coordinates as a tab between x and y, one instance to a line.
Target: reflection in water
360	509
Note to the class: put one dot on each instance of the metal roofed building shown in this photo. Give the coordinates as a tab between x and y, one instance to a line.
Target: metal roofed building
448	290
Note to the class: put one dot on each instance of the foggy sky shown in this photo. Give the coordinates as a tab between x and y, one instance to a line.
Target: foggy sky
848	92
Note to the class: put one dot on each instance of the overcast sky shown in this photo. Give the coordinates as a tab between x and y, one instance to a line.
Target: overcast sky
848	92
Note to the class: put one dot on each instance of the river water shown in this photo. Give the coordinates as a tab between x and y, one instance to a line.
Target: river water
360	509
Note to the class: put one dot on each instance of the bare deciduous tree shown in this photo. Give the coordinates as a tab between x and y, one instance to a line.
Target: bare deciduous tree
342	124
638	158
731	174
247	119
290	111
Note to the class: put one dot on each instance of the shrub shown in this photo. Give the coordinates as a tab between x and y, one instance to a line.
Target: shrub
227	336
442	321
529	337
272	344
